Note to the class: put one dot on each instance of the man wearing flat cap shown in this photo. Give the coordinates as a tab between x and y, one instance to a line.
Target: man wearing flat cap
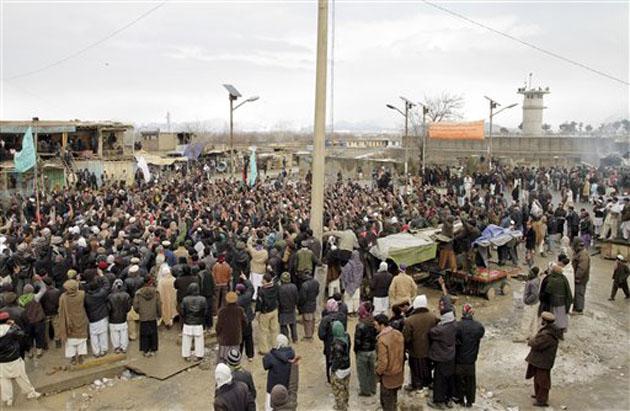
542	357
620	278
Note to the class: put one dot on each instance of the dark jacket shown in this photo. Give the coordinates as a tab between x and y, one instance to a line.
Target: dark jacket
339	355
620	275
245	301
118	304
230	323
582	266
96	304
50	301
365	336
555	292
543	347
278	363
416	332
267	298
193	306
442	347
206	283
325	328
380	284
133	284
287	298
10	337
244	376
182	286
467	338
234	396
307	301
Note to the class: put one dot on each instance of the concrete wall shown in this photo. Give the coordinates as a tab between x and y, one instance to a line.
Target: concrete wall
117	170
349	167
545	150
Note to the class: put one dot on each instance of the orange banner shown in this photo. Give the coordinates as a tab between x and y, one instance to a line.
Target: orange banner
471	130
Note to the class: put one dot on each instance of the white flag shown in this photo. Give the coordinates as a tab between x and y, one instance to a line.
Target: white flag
142	165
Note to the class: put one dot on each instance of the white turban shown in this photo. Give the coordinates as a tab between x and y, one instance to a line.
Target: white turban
222	375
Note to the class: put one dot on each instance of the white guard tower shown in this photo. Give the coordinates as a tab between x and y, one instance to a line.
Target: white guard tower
533	107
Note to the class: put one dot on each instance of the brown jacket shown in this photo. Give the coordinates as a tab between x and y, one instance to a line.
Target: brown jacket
582	266
390	358
146	303
402	289
73	321
222	273
230	323
543	347
416	332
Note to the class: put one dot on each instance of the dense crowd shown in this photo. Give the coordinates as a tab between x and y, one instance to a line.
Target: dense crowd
112	263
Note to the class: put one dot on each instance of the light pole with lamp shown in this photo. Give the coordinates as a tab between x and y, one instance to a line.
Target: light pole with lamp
494	104
425	111
233	96
408	106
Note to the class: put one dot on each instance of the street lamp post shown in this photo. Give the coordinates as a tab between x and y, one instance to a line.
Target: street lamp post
408	106
233	96
493	105
425	111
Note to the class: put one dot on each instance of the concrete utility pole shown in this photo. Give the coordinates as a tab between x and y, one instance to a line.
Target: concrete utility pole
408	106
232	165
319	132
35	171
425	111
494	104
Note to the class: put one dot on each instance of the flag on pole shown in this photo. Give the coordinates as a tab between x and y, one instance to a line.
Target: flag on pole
24	159
253	170
142	165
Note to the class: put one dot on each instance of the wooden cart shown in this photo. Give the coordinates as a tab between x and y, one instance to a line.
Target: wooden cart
486	282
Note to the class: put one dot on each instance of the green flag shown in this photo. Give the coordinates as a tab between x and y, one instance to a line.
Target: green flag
24	160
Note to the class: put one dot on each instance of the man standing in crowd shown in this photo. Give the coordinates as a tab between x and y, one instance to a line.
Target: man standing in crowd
73	322
259	261
390	362
582	267
442	353
403	288
529	320
11	362
380	289
118	304
267	314
239	373
230	323
287	302
222	274
620	278
231	395
365	350
351	278
469	333
416	332
193	316
541	359
146	303
307	304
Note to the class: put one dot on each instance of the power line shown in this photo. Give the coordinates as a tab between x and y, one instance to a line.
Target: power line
89	46
525	43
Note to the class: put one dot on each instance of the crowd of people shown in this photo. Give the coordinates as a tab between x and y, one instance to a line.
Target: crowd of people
113	263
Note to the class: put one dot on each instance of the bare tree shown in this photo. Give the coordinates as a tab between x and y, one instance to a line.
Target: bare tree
444	106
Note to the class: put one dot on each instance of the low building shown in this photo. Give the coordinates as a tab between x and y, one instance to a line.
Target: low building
65	148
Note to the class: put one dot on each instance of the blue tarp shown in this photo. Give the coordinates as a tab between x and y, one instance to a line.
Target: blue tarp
497	236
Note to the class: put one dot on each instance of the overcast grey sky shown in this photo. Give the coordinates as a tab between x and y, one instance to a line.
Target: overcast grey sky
177	58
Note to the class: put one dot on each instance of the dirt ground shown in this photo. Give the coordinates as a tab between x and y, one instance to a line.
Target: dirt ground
591	370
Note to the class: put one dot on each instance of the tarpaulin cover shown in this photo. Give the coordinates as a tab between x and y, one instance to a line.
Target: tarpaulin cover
497	236
405	248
